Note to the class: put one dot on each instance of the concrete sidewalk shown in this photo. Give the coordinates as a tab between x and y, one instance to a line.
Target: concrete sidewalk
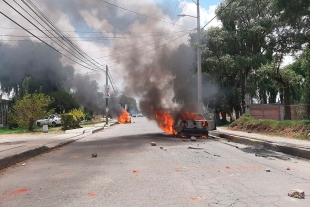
294	147
15	149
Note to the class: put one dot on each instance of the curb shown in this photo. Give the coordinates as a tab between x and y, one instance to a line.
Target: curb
286	149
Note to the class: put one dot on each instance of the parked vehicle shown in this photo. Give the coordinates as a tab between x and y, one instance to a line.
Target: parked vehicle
51	120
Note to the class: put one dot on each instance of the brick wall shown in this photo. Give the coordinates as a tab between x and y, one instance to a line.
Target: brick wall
267	111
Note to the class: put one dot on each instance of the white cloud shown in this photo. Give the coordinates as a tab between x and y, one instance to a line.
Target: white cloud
206	15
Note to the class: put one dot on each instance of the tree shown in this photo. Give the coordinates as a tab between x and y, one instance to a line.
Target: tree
30	108
130	102
288	80
64	101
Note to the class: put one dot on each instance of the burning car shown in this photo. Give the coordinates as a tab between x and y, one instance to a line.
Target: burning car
124	117
191	124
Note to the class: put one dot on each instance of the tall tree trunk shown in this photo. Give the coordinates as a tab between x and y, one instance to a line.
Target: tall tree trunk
224	119
287	102
217	115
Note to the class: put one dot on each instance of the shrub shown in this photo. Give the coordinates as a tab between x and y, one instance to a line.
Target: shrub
67	121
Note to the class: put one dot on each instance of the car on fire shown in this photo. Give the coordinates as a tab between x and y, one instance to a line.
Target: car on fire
192	124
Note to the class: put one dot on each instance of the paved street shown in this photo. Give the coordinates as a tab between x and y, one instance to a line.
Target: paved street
130	172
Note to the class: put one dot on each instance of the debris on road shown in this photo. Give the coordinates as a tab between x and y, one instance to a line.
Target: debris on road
94	154
153	143
161	148
135	171
193	139
24	164
267	170
165	149
198	148
227	167
217	155
288	168
297	193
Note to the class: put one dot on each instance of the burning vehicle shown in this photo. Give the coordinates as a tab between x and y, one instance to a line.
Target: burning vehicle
124	117
183	124
191	124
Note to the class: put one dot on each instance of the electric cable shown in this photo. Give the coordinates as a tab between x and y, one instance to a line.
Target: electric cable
44	41
140	13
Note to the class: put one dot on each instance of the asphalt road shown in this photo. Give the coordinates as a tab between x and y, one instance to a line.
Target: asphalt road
128	171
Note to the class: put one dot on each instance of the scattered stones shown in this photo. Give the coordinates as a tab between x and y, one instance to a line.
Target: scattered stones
227	167
153	143
249	131
297	193
288	168
165	149
267	170
161	148
193	139
237	147
24	164
94	154
217	155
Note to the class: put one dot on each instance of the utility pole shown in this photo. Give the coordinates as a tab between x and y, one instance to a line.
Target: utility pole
107	96
199	104
199	76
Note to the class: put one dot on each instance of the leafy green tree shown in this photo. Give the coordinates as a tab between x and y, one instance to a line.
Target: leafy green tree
287	78
130	102
30	108
64	101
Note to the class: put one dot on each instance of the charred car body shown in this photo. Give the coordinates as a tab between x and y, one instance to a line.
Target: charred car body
191	124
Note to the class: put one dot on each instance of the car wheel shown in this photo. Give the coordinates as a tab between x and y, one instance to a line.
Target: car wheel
53	124
38	124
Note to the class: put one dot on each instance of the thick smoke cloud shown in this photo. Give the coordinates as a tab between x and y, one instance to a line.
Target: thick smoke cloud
35	60
159	71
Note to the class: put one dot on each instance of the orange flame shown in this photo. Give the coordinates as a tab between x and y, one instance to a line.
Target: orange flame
189	115
124	117
165	121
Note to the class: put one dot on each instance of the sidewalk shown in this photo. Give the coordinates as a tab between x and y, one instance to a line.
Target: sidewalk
21	147
294	147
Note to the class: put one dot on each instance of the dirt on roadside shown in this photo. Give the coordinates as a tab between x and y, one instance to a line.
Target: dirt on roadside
288	128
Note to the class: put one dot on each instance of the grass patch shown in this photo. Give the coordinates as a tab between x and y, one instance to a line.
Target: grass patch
297	129
19	130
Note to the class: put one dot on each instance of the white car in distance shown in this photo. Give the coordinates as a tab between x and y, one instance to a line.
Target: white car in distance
51	120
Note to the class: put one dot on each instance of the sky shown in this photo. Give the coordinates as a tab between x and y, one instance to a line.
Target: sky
108	21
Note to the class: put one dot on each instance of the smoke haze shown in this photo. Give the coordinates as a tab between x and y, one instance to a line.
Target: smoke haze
147	58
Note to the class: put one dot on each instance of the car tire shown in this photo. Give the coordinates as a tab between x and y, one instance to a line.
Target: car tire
54	124
38	124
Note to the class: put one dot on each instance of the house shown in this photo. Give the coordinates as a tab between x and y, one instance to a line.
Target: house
4	110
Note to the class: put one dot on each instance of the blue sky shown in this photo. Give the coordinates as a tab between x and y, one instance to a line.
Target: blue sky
206	3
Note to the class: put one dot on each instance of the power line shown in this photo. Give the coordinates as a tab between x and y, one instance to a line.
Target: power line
136	48
94	38
39	29
45	42
141	14
144	52
217	15
155	33
65	38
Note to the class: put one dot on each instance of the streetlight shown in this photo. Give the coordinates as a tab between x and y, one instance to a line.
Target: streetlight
199	103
